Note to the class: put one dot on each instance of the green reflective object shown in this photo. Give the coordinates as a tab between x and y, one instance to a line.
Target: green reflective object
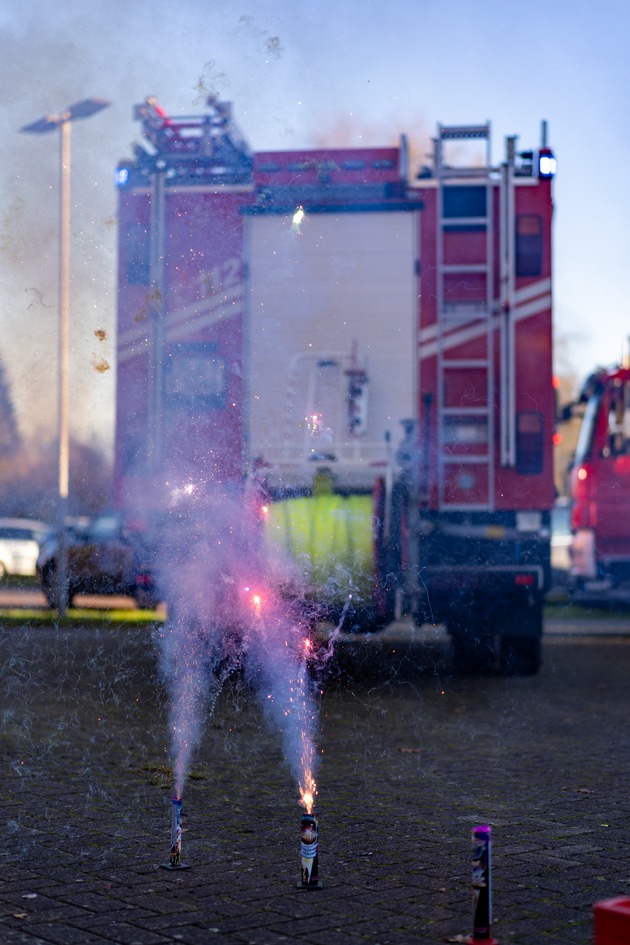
331	539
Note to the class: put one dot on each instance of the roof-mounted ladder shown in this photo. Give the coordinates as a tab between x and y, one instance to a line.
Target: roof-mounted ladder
465	243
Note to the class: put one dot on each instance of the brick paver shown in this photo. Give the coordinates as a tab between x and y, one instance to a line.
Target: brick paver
412	757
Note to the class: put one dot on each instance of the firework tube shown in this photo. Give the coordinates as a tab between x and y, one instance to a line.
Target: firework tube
176	832
308	852
482	886
175	856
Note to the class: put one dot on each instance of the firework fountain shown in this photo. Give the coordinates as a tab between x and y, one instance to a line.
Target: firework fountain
482	886
224	614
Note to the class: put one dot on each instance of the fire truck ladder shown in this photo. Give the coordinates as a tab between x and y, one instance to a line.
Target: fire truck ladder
465	243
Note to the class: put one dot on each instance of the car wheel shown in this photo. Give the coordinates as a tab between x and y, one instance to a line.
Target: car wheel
47	584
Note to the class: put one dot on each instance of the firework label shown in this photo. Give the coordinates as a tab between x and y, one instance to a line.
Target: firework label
308	850
176	833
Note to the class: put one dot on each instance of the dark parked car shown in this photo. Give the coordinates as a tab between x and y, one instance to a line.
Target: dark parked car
105	557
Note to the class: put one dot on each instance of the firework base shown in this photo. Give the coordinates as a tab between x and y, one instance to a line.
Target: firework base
308	886
472	940
180	866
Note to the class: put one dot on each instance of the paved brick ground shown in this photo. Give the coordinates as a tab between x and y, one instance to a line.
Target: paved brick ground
412	758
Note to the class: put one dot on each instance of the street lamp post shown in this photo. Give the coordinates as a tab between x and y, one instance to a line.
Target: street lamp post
63	123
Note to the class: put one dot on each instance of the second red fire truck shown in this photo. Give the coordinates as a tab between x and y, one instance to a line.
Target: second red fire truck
600	490
368	350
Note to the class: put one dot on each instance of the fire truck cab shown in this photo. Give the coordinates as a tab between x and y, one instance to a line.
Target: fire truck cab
600	490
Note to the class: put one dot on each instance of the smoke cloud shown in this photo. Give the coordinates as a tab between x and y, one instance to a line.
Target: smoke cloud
226	615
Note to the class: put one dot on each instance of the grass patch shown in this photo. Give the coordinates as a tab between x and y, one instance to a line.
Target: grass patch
568	610
82	615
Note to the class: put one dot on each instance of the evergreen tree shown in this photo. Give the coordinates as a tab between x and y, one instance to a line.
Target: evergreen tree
9	436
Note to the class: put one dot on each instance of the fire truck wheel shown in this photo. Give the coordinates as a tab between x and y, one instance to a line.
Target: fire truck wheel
520	655
472	651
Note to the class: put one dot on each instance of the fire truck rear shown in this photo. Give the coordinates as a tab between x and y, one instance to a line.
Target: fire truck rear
478	480
372	355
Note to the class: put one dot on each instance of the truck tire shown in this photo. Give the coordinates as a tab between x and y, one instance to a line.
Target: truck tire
520	655
472	645
521	643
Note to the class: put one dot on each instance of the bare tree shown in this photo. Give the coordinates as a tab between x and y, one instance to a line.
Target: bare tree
29	480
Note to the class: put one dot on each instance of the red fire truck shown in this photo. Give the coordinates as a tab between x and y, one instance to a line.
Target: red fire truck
600	490
369	351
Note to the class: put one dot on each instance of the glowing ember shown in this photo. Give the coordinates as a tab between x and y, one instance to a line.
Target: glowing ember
308	801
308	791
256	604
314	424
297	218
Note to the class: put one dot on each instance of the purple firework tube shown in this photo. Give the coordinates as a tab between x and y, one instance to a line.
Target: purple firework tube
482	886
308	852
175	854
176	832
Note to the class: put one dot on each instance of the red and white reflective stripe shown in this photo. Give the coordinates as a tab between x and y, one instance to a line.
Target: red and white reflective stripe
183	323
531	300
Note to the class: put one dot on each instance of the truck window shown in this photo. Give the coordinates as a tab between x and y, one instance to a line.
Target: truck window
529	244
195	377
587	429
529	442
464	201
618	421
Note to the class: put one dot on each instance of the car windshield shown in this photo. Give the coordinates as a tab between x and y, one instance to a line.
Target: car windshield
22	534
107	526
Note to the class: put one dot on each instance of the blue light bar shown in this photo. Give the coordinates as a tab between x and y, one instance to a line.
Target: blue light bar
547	164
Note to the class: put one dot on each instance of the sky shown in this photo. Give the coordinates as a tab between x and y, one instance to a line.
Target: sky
299	76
